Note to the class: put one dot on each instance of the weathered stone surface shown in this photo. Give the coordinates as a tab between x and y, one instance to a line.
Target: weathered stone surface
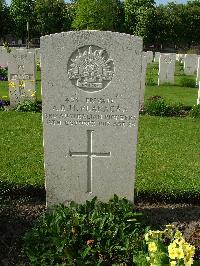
198	71
145	58
198	98
91	86
157	56
166	68
21	76
3	57
149	55
180	57
190	64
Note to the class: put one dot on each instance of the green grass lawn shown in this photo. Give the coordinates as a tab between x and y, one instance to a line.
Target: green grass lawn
168	162
21	150
173	94
177	93
168	154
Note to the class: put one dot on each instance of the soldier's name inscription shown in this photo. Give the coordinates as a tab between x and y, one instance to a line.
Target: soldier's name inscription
91	111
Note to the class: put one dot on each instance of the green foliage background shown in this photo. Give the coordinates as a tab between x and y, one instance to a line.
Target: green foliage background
172	24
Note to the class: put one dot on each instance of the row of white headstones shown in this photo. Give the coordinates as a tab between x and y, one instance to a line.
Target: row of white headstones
22	71
167	62
93	85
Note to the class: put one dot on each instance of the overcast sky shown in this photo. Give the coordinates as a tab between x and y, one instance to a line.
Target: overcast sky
157	1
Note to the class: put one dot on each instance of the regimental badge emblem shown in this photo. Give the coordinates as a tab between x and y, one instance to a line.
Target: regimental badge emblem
90	68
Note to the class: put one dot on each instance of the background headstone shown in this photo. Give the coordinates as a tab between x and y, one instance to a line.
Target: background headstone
21	76
190	64
3	57
157	56
90	88
149	55
180	57
166	68
145	59
198	72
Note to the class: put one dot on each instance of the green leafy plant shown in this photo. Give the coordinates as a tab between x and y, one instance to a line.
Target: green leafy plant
38	68
3	73
156	105
93	233
27	106
195	112
2	104
151	75
187	81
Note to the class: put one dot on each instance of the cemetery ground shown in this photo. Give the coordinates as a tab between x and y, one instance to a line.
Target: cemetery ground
168	167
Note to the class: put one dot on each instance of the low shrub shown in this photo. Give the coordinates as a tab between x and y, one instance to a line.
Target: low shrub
38	68
157	106
3	73
195	112
27	106
93	233
187	81
2	104
150	77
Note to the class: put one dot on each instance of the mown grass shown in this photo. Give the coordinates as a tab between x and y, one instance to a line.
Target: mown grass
21	150
173	93
168	163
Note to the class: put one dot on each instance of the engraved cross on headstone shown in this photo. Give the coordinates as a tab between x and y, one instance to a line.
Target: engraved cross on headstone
90	155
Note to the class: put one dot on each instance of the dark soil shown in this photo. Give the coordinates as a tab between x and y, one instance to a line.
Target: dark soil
19	211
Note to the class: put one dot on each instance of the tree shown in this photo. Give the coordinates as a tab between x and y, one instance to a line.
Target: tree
4	18
52	16
99	15
21	11
139	15
191	20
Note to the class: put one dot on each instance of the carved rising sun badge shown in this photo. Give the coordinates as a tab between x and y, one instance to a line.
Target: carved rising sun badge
90	68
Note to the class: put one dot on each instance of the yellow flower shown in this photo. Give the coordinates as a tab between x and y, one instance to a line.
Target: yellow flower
148	259
4	97
172	251
33	94
11	84
146	237
188	262
152	247
178	234
179	253
173	263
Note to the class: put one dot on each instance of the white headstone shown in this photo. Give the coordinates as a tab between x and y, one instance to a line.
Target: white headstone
198	71
149	55
91	87
143	78
198	98
180	57
166	68
21	76
190	64
157	56
3	57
